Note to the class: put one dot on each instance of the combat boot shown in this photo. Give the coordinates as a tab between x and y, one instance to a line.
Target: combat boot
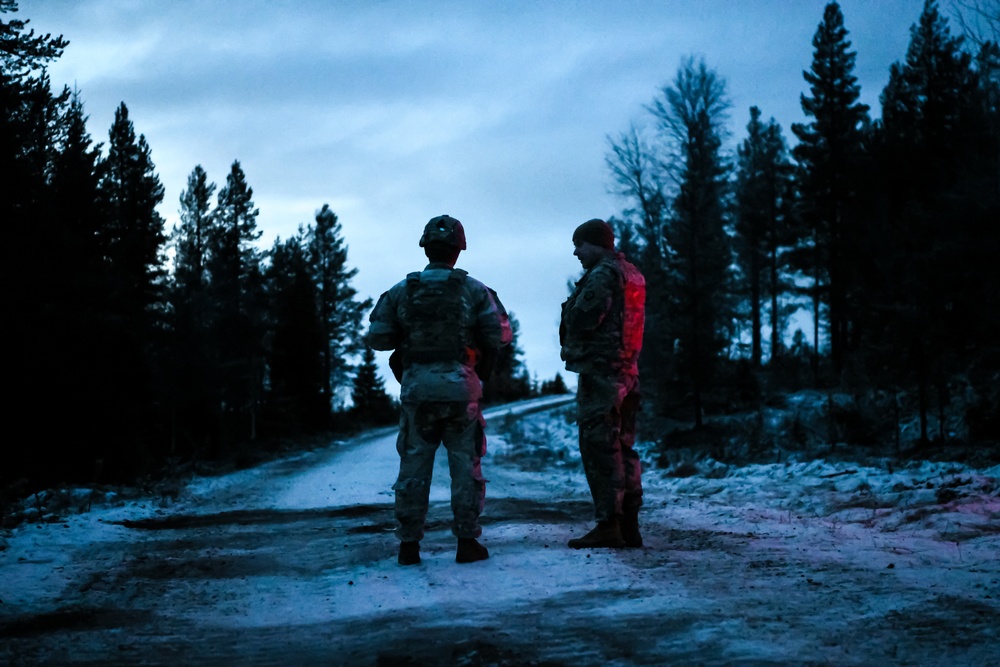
409	553
606	534
630	528
469	551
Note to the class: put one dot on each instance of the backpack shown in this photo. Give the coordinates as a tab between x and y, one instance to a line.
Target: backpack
434	315
633	310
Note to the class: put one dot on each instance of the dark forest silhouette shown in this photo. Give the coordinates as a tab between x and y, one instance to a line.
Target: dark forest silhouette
123	363
886	230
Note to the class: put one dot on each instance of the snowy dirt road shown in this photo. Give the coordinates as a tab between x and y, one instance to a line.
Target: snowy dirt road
293	563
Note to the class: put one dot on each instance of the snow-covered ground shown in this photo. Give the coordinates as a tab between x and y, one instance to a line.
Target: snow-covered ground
294	562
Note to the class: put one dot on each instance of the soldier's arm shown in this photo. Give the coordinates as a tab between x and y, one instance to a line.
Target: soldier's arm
592	302
384	331
492	324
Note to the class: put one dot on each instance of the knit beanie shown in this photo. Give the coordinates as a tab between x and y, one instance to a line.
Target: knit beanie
595	231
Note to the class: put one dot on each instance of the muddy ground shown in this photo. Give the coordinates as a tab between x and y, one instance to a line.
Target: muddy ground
215	580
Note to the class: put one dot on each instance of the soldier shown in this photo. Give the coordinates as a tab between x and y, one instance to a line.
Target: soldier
601	335
446	328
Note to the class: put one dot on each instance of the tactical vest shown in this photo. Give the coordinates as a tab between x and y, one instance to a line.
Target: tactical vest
436	321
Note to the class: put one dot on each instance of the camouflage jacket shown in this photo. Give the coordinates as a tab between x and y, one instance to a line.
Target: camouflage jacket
439	339
602	321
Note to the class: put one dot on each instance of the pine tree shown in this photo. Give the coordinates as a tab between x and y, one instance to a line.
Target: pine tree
371	404
339	311
938	227
30	372
764	195
134	236
691	113
982	299
297	345
29	136
195	382
554	386
236	291
22	55
829	154
191	238
132	240
73	274
509	380
75	176
233	257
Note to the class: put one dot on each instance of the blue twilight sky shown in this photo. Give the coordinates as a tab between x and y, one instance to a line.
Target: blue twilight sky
392	112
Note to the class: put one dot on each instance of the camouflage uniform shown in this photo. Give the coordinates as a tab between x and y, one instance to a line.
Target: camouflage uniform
440	341
601	335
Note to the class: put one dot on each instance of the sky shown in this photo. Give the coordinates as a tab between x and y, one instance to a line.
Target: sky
393	112
294	562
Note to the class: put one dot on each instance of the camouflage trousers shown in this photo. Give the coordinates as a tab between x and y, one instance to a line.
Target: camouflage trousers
606	414
422	428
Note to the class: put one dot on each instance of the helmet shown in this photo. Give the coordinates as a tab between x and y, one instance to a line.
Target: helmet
444	229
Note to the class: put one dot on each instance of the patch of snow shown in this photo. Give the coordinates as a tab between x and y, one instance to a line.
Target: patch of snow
804	562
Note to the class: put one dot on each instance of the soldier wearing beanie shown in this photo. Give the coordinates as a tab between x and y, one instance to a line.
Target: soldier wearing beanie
596	232
443	326
600	334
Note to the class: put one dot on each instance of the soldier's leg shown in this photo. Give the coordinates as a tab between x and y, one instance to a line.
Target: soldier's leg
599	420
416	445
632	465
465	442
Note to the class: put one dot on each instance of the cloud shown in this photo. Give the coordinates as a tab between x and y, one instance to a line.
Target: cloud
393	112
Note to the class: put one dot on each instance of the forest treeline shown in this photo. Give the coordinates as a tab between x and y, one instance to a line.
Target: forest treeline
886	230
134	346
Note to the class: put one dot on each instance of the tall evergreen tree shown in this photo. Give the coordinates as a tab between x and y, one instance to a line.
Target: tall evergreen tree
133	236
509	380
28	138
35	330
195	387
554	386
234	269
23	56
371	403
74	273
192	237
938	220
297	345
25	97
764	195
691	113
132	241
340	312
77	206
829	153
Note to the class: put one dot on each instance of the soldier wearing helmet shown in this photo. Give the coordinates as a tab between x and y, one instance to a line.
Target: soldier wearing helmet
444	229
601	335
443	326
